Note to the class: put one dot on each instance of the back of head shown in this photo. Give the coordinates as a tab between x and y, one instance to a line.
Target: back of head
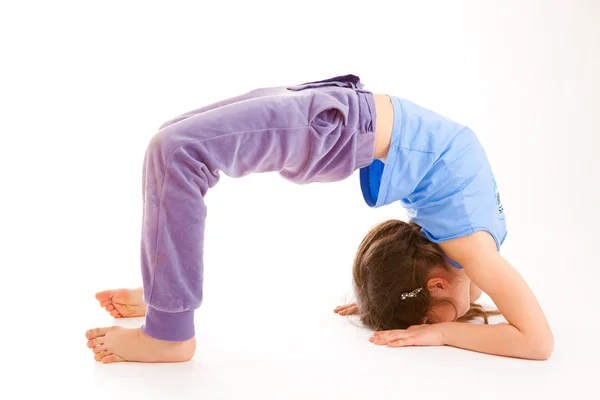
395	258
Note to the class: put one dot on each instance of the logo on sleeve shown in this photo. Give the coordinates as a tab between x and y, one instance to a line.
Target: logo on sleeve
498	202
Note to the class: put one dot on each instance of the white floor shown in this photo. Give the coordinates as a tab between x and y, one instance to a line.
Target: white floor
86	87
285	342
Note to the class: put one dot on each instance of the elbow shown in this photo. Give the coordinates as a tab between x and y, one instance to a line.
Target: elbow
542	348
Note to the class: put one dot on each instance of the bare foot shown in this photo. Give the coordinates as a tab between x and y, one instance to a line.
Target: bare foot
348	309
116	344
123	303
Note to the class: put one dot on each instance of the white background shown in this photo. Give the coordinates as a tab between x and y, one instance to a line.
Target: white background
85	85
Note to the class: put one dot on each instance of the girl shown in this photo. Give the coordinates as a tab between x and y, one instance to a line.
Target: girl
414	281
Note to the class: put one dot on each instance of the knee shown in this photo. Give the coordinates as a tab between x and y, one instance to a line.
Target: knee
171	122
163	143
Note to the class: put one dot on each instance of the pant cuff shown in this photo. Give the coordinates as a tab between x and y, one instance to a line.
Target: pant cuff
167	326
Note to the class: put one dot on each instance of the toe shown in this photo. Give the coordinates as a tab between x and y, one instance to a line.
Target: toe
96	342
99	349
94	333
100	356
105	295
112	358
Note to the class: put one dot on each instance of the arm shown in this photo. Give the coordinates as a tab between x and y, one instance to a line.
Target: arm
527	334
475	292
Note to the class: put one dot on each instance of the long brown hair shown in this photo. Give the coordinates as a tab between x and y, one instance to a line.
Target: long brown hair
396	258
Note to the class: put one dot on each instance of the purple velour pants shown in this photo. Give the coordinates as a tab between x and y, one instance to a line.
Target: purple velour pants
314	132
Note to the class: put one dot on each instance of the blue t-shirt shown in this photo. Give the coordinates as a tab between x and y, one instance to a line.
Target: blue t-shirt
439	172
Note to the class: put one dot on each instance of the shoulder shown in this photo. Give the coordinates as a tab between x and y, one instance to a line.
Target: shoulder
467	249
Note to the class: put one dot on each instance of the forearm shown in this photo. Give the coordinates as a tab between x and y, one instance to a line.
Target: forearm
500	339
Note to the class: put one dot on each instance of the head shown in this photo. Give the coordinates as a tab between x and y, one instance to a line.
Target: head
395	259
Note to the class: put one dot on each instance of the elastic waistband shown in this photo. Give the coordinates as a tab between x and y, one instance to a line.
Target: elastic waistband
365	151
367	115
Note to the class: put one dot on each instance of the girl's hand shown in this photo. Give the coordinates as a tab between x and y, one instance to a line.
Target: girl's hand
348	309
416	335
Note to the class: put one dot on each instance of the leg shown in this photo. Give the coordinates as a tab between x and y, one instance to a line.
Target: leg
128	303
254	94
305	137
